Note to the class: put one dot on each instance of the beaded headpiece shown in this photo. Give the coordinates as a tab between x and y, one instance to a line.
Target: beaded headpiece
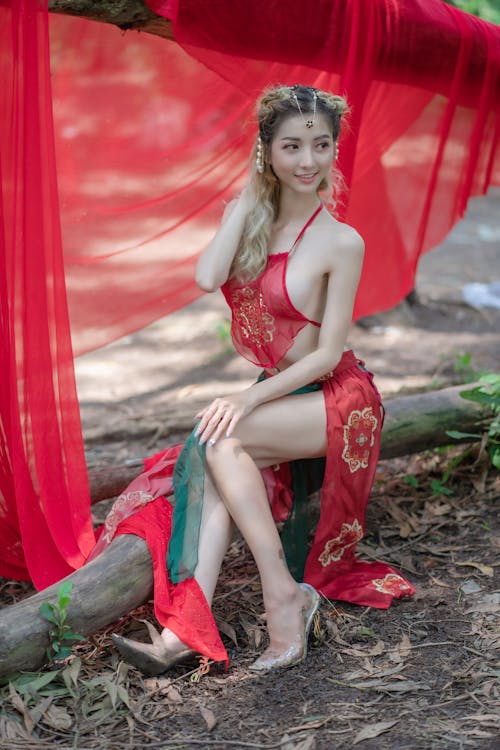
310	120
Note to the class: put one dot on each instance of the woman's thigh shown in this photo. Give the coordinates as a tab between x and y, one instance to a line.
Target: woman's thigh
285	429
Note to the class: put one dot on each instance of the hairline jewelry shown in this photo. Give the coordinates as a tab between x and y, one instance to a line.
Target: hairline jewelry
309	123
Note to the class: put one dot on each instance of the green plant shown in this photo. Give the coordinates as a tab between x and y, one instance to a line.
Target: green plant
487	394
223	331
61	635
487	9
438	487
463	367
411	480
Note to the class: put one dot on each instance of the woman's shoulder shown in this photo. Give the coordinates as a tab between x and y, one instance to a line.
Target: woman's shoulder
335	238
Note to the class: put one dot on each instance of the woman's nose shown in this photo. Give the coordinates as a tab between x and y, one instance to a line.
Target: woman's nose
306	157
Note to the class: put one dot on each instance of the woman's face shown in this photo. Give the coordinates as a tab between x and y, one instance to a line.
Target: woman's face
302	157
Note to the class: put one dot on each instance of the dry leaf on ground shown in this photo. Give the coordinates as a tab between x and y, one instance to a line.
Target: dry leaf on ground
373	730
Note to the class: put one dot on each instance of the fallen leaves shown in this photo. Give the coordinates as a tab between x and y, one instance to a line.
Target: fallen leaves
370	731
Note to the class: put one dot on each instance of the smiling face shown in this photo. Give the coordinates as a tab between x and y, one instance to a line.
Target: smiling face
302	157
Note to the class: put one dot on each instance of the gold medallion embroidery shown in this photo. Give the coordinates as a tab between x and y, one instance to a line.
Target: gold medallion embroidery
392	583
359	438
350	534
252	316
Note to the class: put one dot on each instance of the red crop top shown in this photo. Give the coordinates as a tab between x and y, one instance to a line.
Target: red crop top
264	320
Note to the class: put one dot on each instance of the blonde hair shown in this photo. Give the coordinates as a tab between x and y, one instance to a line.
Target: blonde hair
275	105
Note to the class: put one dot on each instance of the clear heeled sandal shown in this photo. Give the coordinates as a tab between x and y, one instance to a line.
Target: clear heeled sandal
297	652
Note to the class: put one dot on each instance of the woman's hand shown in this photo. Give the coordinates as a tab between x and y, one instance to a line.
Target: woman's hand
222	415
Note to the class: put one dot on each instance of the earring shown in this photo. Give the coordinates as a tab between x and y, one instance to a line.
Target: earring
259	158
336	152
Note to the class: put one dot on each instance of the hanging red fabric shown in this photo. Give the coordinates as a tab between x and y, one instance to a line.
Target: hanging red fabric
149	144
45	523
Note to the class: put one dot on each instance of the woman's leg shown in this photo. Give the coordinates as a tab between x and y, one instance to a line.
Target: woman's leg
291	427
214	540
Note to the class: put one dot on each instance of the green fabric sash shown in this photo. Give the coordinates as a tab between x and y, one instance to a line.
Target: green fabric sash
189	485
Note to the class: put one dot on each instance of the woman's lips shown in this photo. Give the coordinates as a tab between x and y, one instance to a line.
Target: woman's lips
307	177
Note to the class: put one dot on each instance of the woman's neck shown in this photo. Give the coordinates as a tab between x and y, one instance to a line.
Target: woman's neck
296	207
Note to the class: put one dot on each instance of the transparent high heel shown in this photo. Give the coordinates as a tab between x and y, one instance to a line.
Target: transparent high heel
297	652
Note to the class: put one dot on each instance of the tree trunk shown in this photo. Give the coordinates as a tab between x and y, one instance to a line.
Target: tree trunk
121	578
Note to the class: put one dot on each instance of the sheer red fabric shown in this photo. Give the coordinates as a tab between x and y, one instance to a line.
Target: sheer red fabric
150	138
264	319
45	524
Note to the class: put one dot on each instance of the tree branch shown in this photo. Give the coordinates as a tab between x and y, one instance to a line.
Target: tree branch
126	14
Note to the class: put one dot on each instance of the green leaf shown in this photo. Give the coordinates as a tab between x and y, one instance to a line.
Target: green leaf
64	601
457	435
48	612
70	636
477	395
363	630
64	652
495	456
65	589
411	480
438	488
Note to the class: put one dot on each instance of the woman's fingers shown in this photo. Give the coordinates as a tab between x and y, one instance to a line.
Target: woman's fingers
213	422
221	428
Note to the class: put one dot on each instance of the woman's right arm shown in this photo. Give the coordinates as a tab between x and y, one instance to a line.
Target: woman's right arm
214	264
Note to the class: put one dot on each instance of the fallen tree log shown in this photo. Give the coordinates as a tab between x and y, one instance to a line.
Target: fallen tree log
104	590
412	424
121	578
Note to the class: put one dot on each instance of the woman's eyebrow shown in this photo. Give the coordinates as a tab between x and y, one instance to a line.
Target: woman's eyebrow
317	138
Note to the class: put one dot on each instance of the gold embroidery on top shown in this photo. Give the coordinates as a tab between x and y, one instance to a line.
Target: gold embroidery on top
252	315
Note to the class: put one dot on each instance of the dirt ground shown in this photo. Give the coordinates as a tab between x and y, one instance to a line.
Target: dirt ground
421	675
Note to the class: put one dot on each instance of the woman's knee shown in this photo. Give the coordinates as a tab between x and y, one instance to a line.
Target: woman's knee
225	449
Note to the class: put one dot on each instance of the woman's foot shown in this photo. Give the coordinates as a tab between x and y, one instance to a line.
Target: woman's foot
299	615
165	651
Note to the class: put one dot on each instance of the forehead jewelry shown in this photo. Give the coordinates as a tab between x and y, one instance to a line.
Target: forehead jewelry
310	121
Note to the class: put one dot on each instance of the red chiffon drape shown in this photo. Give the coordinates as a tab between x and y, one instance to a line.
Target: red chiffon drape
45	524
151	137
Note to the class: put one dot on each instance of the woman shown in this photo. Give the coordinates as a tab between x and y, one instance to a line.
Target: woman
289	272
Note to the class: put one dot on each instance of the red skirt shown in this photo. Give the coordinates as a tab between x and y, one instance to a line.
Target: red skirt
354	423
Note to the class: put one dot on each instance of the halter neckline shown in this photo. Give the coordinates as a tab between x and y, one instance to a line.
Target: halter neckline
300	234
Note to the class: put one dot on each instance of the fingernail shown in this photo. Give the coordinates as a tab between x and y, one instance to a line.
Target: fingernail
211	441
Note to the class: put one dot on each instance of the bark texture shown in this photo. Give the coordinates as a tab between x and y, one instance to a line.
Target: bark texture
412	423
121	578
126	14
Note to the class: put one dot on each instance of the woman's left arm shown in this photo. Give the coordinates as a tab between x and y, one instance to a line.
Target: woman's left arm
343	269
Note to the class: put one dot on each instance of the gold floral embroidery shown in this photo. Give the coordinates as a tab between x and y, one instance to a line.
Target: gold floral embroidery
392	583
124	505
252	316
359	438
350	534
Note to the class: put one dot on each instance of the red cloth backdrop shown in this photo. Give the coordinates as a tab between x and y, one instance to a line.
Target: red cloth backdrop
45	524
151	137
